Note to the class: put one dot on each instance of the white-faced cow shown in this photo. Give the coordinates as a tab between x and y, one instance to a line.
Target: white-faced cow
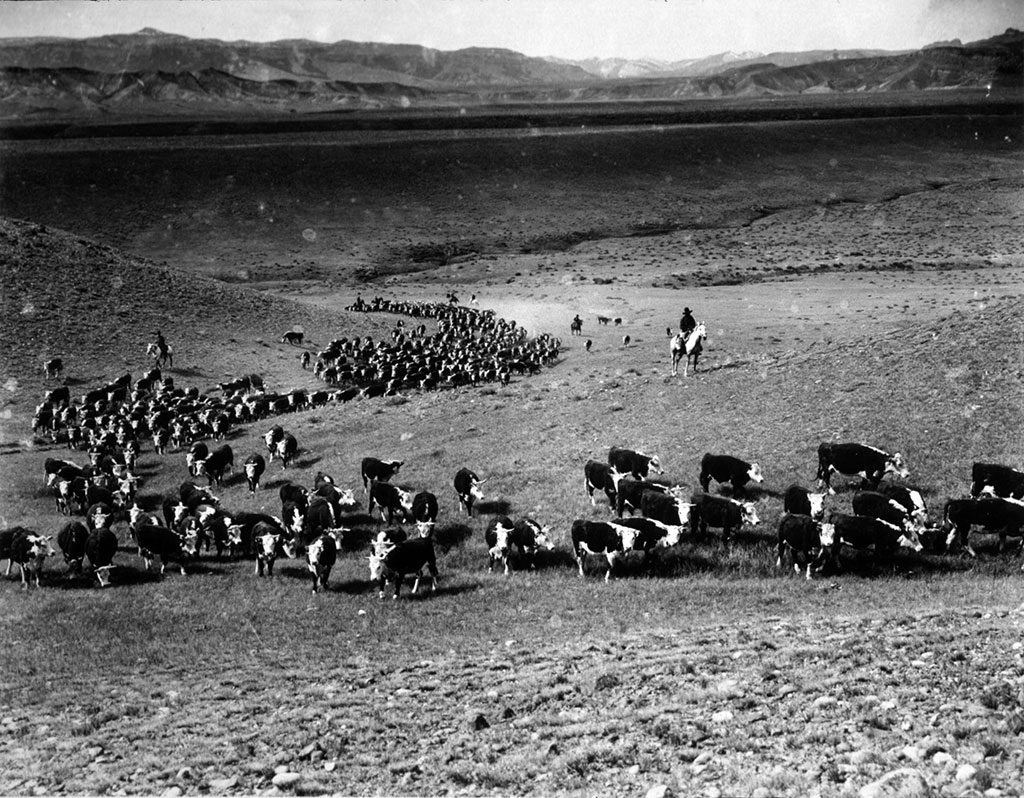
29	551
159	542
53	367
722	513
601	539
638	464
807	540
467	488
857	459
424	508
321	555
861	532
878	505
254	467
653	534
293	337
601	476
198	452
390	499
526	535
999	480
726	468
373	470
271	439
287	448
214	467
1004	517
402	559
799	501
268	539
910	498
630	492
668	508
100	548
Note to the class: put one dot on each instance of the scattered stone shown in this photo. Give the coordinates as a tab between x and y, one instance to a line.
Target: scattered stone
966	772
607	681
905	782
823	701
185	773
703	758
633	770
224	784
330	766
913	753
659	791
941	758
171	792
722	717
286	780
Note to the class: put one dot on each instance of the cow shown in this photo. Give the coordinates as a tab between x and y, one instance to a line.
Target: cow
726	468
53	367
7	537
304	360
467	488
391	500
601	476
220	461
52	468
373	470
668	508
100	548
652	533
341	500
295	495
806	539
71	542
799	501
878	505
857	459
910	498
322	479
630	492
254	467
320	518
159	542
862	532
720	512
526	535
424	508
601	538
271	439
293	337
1004	517
321	555
1000	480
29	551
198	452
402	559
268	540
636	463
287	448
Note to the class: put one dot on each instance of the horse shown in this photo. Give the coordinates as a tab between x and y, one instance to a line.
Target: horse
160	358
688	347
576	327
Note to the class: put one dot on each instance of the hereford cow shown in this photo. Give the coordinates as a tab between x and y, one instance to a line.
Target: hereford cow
600	538
254	467
525	534
878	505
799	501
402	559
391	500
910	498
861	532
71	542
100	548
159	542
29	551
726	468
373	470
630	492
720	512
220	461
636	463
999	480
807	541
601	476
857	459
467	488
321	555
653	534
287	448
1004	517
424	508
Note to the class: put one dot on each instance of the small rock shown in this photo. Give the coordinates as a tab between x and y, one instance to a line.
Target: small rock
286	780
713	792
632	770
659	791
703	757
607	681
913	753
722	717
787	689
224	784
330	766
824	701
993	792
941	758
905	782
728	686
171	792
966	772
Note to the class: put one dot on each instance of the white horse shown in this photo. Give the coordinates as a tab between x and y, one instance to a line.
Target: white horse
153	351
687	347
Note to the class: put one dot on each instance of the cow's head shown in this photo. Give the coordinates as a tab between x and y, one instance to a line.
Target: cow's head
251	470
750	514
346	498
234	535
501	533
405	499
103	574
910	540
382	544
180	511
542	536
205	513
100	518
826	535
376	567
425	529
616	476
135	513
338	533
754	472
270	438
895	464
295	522
673	534
628	536
654	464
817	501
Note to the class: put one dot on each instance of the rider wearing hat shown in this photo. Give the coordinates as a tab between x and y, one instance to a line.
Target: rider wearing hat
687	324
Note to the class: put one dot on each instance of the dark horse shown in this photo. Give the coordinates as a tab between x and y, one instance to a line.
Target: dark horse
576	328
689	347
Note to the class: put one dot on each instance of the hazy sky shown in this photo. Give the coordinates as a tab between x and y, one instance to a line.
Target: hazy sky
669	29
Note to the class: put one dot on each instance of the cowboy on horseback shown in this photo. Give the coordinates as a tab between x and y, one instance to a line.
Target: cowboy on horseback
161	345
687	324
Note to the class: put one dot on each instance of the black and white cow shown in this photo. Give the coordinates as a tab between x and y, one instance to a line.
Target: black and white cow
287	448
198	452
653	534
402	559
100	548
638	464
29	551
254	467
424	508
374	470
268	540
862	532
910	498
53	467
390	499
800	501
630	491
321	518
999	480
526	535
159	542
295	495
878	505
321	555
806	539
71	542
220	461
1004	517
601	476
293	337
857	459
726	468
467	488
722	513
601	538
53	367
668	508
271	439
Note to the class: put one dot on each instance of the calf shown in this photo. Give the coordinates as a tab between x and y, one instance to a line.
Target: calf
100	548
862	532
600	538
853	459
391	500
374	470
321	555
1004	517
159	542
878	505
29	551
631	491
7	537
254	467
424	508
268	540
287	448
1000	480
636	463
407	557
601	476
667	508
721	512
799	501
525	534
726	468
467	488
71	542
807	541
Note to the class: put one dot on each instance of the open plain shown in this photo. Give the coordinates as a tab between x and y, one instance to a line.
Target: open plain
860	280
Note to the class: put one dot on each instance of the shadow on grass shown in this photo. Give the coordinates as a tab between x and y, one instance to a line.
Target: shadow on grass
748	493
448	536
495	507
186	372
306	462
358	587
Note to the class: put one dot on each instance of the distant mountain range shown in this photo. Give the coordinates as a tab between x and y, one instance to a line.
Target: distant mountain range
151	72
